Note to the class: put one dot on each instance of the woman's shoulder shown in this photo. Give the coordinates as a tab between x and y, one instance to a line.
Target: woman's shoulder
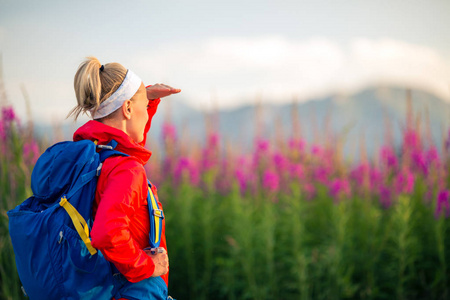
120	164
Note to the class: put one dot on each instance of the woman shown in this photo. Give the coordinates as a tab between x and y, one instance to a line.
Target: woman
122	109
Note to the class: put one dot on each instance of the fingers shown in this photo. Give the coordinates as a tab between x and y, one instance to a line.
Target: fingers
171	89
161	261
160	90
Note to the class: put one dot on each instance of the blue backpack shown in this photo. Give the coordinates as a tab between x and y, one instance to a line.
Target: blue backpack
50	230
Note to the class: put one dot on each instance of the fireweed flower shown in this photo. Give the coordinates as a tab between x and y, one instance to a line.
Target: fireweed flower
340	188
297	171
360	173
241	179
281	162
271	181
2	132
224	179
241	173
447	142
8	117
213	140
317	150
8	114
169	132
388	157
210	154
261	152
432	157
404	182
186	167
296	144
442	204
321	174
411	140
419	161
30	152
385	196
376	177
262	146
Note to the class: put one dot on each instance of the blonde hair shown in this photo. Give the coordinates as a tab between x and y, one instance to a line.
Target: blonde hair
93	86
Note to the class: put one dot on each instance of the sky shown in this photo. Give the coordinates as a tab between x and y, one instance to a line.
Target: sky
224	54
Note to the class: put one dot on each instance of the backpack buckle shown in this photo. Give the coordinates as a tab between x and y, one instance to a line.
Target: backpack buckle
158	213
155	250
105	147
99	168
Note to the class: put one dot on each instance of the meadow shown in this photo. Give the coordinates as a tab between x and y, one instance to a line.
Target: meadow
287	220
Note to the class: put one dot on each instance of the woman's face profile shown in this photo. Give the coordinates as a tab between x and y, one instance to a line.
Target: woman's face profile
139	115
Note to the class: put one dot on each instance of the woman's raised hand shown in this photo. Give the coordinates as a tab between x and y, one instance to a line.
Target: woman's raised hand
160	90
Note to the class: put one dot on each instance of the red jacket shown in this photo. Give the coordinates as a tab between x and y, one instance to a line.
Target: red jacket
122	223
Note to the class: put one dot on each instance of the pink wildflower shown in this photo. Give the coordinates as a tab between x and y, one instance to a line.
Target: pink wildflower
385	196
271	181
210	157
296	171
376	177
321	174
419	161
316	150
213	140
2	132
281	162
442	204
411	139
242	180
185	167
8	114
169	132
360	173
31	152
447	141
404	182
432	157
340	188
296	144
388	157
262	146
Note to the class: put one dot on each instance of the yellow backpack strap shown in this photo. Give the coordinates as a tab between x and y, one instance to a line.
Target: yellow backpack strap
157	216
79	223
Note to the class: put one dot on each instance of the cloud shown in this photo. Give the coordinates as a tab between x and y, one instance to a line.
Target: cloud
396	62
235	69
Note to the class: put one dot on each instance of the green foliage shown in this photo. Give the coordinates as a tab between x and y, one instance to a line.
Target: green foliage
14	188
245	247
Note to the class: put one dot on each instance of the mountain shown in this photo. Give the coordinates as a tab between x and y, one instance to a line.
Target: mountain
366	116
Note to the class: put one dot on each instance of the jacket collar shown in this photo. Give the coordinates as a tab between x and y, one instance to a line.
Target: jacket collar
94	130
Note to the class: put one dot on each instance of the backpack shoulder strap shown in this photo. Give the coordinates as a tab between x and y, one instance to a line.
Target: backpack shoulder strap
156	219
107	151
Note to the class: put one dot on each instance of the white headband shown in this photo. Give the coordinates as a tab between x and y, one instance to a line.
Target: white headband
126	90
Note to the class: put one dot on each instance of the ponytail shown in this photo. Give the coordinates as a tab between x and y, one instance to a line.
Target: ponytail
93	85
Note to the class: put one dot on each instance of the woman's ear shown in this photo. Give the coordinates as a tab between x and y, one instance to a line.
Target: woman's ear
126	109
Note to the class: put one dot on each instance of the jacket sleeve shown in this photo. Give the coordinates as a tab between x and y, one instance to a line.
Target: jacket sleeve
151	110
122	194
